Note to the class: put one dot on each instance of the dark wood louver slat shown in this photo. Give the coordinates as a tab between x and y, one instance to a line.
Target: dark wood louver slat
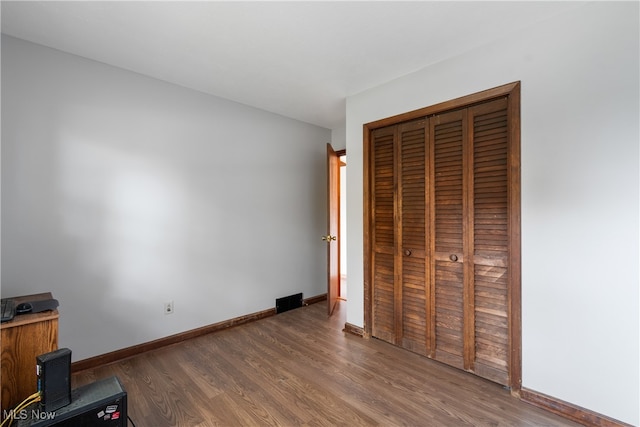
383	236
447	204
491	240
413	235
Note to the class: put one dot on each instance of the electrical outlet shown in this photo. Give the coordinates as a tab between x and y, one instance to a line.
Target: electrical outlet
168	307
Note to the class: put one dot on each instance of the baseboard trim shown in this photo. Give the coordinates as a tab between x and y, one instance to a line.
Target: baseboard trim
314	300
353	329
125	353
568	410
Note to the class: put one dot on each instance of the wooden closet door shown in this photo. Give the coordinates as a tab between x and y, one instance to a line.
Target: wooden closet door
442	258
383	232
469	203
412	245
400	224
489	240
448	206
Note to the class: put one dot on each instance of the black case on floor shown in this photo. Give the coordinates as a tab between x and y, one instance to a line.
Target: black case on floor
99	404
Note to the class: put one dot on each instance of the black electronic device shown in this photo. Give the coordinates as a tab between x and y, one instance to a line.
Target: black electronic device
53	371
39	306
8	309
24	308
100	404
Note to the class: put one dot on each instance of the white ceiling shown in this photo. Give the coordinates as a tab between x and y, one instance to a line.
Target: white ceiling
299	59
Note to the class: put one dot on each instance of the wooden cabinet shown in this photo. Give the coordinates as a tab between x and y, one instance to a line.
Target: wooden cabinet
442	227
24	338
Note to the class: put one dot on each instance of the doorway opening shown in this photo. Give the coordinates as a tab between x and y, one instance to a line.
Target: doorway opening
336	286
343	223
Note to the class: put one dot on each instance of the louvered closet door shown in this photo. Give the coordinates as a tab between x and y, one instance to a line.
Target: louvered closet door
469	204
412	231
448	207
383	229
490	241
441	198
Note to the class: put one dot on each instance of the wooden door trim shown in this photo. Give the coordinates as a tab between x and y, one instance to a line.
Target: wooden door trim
512	92
462	102
515	253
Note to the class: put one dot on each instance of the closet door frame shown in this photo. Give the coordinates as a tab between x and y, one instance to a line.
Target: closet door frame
512	92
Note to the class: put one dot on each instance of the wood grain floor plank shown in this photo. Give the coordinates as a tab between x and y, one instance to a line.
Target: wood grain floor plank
299	369
248	386
300	384
362	396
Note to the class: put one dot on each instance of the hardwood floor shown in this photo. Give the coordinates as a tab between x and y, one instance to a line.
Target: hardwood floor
298	368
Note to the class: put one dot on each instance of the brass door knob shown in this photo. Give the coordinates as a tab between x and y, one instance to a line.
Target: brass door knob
453	257
328	238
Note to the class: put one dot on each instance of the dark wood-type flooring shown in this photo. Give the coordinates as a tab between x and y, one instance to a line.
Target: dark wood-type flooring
298	368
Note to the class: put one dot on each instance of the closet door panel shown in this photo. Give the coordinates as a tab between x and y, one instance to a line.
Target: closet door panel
413	234
490	240
383	234
447	133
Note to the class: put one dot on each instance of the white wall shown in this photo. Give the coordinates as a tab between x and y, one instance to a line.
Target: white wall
121	192
580	194
339	137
